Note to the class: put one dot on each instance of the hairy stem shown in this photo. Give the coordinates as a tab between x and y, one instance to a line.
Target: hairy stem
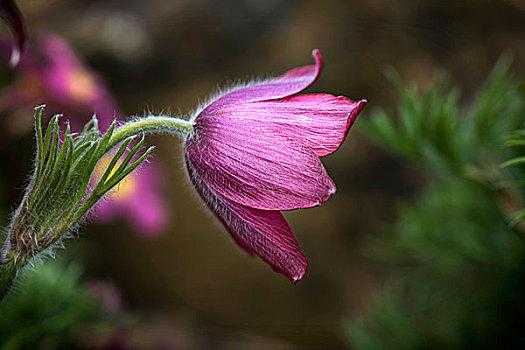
151	125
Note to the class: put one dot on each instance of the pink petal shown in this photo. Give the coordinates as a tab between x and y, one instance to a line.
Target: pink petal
290	83
143	207
148	214
62	63
257	168
259	232
320	122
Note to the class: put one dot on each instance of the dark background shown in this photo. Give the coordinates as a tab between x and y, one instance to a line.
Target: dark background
192	286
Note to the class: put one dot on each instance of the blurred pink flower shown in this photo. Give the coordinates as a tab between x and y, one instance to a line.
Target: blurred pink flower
51	73
137	198
255	152
107	294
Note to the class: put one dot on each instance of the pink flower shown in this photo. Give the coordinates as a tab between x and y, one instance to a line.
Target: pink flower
255	152
51	73
138	199
107	294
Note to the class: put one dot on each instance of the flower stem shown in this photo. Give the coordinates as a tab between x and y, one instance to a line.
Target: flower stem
151	124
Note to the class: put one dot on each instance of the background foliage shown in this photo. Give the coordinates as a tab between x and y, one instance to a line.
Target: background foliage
456	257
50	308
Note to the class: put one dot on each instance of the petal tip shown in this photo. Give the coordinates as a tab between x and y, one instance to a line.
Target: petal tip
362	103
15	58
318	59
298	275
316	54
352	116
331	191
327	194
297	278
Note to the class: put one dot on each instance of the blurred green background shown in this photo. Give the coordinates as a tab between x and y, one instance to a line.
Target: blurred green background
192	287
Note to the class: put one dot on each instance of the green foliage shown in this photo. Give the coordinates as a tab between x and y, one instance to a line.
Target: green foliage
516	140
47	309
426	130
456	258
64	186
436	134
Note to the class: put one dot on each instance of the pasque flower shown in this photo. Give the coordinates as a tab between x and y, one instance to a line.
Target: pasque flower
254	152
51	73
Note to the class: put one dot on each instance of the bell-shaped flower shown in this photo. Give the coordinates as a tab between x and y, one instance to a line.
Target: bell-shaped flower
255	151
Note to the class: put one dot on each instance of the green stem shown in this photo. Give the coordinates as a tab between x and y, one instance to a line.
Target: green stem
151	124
